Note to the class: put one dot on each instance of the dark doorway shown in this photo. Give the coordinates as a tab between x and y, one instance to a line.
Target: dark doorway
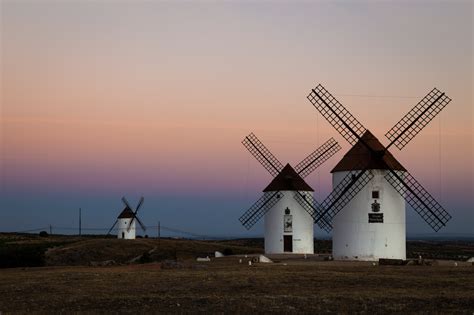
288	243
123	234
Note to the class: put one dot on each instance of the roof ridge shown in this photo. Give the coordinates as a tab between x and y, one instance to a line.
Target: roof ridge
288	179
359	155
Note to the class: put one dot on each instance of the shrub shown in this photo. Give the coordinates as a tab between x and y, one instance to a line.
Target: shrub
43	234
21	256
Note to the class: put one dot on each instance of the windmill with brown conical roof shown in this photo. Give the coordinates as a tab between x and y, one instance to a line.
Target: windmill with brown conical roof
127	221
287	204
370	187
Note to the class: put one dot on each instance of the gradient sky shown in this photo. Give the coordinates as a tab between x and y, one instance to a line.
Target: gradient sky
101	99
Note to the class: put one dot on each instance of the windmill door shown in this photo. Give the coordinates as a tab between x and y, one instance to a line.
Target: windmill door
288	243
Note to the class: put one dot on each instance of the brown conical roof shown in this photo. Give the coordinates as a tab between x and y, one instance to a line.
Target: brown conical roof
288	179
127	213
359	156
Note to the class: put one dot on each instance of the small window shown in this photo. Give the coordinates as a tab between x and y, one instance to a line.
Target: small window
375	194
287	210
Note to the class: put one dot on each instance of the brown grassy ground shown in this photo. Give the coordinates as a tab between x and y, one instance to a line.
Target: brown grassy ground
290	285
224	285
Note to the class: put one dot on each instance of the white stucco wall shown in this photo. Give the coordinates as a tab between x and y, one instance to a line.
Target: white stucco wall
302	233
123	227
354	238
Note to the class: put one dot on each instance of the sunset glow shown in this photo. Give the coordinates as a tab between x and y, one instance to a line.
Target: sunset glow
102	99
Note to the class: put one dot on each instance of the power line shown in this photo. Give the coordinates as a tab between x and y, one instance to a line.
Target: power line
377	96
196	235
165	228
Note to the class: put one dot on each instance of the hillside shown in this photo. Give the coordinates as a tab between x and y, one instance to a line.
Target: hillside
22	250
84	252
30	250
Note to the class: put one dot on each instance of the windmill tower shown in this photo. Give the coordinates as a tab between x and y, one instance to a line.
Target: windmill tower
287	204
127	221
370	187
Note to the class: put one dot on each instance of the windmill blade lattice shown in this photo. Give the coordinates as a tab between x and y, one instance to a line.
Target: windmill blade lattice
417	118
314	210
110	230
318	157
135	217
262	154
259	208
402	133
140	203
419	199
336	114
141	224
343	193
124	200
130	224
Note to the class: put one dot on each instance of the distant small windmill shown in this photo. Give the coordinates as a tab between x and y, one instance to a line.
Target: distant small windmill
287	205
126	221
370	186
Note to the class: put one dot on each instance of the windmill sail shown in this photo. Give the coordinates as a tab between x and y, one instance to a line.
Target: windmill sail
285	178
259	208
343	193
419	199
336	114
110	230
262	154
318	157
380	158
417	118
314	209
135	217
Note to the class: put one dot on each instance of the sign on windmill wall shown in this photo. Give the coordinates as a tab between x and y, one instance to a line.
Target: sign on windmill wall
375	216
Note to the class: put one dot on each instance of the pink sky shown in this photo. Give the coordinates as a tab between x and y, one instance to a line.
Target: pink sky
155	96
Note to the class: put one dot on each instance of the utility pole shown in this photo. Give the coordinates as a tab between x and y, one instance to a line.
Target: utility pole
50	230
80	221
159	233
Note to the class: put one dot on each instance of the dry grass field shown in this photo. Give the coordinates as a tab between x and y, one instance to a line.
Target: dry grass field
289	285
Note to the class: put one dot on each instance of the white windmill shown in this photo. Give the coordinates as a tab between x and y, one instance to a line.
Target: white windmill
287	205
370	187
127	221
